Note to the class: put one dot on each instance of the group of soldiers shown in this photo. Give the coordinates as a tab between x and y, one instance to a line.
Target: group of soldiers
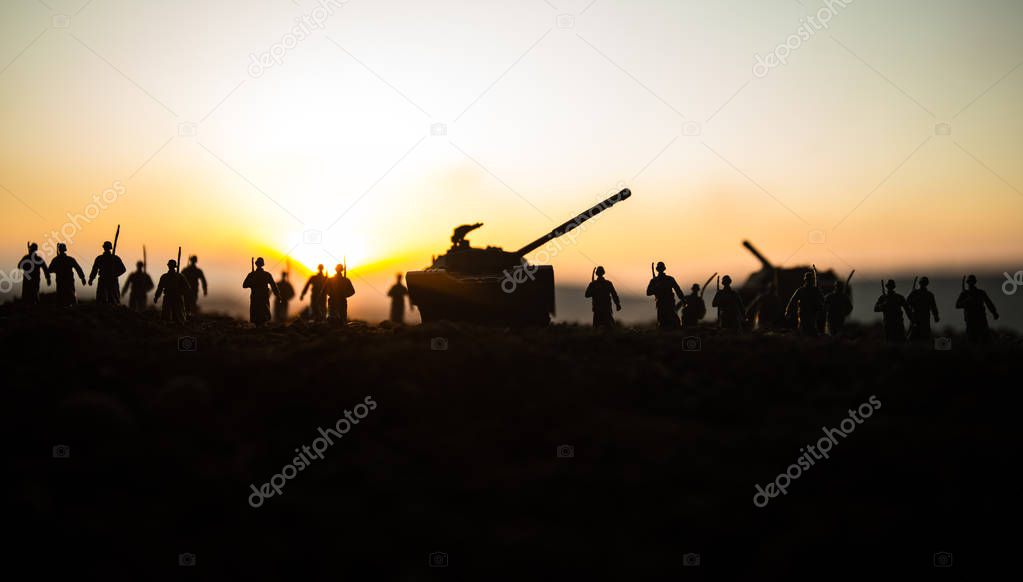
809	310
179	288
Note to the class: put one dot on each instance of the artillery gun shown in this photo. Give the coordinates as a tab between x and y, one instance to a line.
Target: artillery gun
787	279
492	285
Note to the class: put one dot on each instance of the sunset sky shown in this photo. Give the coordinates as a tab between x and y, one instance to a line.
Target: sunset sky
889	140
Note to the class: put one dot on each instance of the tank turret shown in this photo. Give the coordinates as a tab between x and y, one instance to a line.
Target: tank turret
492	285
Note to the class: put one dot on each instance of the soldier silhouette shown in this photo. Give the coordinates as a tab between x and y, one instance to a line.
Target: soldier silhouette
137	285
33	268
317	300
729	303
260	284
194	275
338	289
891	305
693	307
602	293
109	267
922	305
287	293
975	303
174	288
766	311
398	293
64	268
837	307
805	305
664	289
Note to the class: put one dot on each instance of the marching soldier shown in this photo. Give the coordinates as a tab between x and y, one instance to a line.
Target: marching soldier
923	306
174	288
194	275
602	292
975	303
766	311
287	293
805	305
693	307
837	307
64	268
338	289
260	284
317	301
138	285
398	293
109	267
32	266
891	305
729	303
664	289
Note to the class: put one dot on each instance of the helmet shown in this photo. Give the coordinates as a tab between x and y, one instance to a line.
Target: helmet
971	279
660	267
139	264
259	262
726	280
33	247
600	271
924	281
172	264
890	284
107	246
61	248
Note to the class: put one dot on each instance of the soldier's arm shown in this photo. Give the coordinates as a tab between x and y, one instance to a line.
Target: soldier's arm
879	305
202	277
614	295
159	291
677	289
92	273
273	287
589	291
934	307
714	301
650	287
124	289
78	269
790	308
990	305
247	282
305	288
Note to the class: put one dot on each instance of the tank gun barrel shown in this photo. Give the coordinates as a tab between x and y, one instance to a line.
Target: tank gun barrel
574	222
763	260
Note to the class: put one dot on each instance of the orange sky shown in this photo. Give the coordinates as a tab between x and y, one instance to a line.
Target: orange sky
838	157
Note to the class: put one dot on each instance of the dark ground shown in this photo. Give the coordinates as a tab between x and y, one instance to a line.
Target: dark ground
460	455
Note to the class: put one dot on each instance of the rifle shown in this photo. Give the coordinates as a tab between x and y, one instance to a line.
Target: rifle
252	264
964	282
116	236
814	274
915	279
882	287
849	278
719	283
704	288
652	270
593	275
178	268
145	262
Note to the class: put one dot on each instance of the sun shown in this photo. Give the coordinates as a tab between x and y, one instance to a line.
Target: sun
308	249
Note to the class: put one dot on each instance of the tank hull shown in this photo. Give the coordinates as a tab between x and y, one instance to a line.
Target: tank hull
522	295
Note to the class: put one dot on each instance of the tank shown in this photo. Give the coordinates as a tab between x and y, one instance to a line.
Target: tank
788	279
491	285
